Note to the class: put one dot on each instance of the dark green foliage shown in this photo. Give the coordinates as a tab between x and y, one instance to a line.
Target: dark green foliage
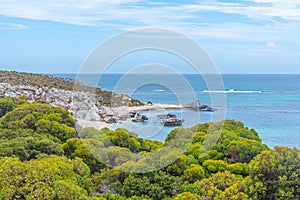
54	129
108	180
33	129
275	174
156	186
27	148
6	105
181	164
45	178
37	111
40	158
76	147
52	122
244	150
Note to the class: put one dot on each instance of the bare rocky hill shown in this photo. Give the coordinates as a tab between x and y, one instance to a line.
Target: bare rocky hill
82	101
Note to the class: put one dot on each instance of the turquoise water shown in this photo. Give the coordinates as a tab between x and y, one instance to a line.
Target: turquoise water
268	103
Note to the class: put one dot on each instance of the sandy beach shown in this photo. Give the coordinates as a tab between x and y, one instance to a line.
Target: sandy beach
94	124
124	111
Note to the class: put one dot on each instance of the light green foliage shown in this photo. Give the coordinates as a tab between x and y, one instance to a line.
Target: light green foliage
118	155
213	166
199	137
150	145
212	163
275	174
83	148
193	173
192	188
188	196
45	178
122	138
234	142
222	185
52	122
239	168
110	196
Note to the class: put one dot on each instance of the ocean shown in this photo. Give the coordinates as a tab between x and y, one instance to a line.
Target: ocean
268	103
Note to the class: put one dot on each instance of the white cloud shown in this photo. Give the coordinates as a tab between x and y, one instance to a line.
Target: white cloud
91	12
11	26
185	18
271	44
289	10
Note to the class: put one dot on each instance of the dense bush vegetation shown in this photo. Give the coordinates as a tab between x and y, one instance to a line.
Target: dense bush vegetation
42	156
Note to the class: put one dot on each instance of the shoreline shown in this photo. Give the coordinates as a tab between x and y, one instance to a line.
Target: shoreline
119	112
122	113
93	124
125	110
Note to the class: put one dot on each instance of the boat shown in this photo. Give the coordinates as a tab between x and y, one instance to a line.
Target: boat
173	122
166	116
198	106
139	118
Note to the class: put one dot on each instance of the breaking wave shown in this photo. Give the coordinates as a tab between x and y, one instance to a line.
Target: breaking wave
231	91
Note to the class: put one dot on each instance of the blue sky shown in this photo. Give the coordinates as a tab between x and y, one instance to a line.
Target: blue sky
249	36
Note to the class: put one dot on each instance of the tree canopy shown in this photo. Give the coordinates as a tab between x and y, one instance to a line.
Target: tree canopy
43	156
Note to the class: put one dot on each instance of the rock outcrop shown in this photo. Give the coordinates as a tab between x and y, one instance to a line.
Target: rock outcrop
82	105
197	106
83	102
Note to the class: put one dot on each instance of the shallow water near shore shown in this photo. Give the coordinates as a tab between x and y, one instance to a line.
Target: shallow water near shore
153	129
268	103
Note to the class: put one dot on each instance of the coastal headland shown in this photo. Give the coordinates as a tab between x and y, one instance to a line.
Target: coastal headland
92	107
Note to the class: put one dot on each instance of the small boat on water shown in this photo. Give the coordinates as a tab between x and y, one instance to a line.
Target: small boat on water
198	106
166	116
173	122
139	118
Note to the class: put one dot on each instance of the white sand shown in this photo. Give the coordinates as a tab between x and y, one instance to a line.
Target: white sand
119	111
94	124
124	110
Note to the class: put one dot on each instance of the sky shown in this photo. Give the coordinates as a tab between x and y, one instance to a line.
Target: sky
241	36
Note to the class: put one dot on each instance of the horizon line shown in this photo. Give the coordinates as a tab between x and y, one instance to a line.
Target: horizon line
185	73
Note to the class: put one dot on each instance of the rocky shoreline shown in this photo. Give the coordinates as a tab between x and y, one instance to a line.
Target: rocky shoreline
85	106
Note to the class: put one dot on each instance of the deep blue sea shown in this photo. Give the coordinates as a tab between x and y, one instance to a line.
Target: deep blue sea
268	103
